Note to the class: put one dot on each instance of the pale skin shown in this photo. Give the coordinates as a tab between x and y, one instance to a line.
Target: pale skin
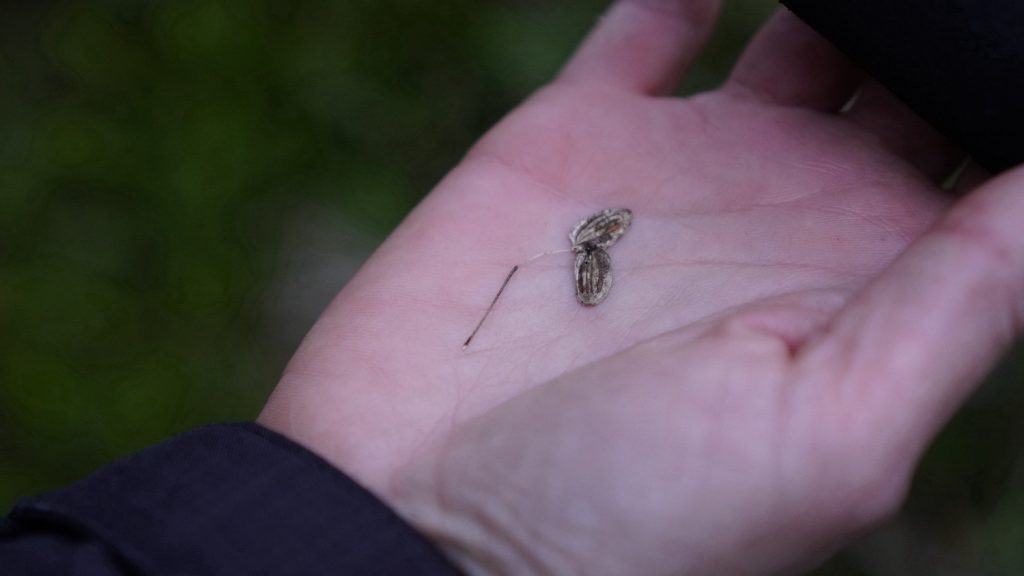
798	308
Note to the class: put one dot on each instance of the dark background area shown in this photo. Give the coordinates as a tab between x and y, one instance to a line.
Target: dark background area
184	185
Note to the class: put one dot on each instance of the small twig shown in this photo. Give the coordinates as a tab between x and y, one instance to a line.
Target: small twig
502	289
491	307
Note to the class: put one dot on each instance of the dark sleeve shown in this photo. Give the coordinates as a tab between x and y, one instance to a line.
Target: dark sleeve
958	63
228	499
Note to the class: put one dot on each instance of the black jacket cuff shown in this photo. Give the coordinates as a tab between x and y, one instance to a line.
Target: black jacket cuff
233	499
957	63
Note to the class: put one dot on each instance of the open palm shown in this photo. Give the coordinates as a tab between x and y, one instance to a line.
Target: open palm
766	368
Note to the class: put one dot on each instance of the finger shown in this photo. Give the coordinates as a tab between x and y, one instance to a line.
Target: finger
922	337
643	45
789	64
903	132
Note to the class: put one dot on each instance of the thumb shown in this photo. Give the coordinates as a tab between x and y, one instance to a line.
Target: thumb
922	336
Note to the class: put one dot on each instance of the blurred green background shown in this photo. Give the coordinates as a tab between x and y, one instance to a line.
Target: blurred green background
184	184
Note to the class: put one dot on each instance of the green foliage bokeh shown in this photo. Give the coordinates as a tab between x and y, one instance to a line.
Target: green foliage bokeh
184	183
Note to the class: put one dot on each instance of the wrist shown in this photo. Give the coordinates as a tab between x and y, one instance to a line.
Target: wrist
478	542
468	517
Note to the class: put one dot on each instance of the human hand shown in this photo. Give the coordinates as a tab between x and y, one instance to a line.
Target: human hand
797	310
